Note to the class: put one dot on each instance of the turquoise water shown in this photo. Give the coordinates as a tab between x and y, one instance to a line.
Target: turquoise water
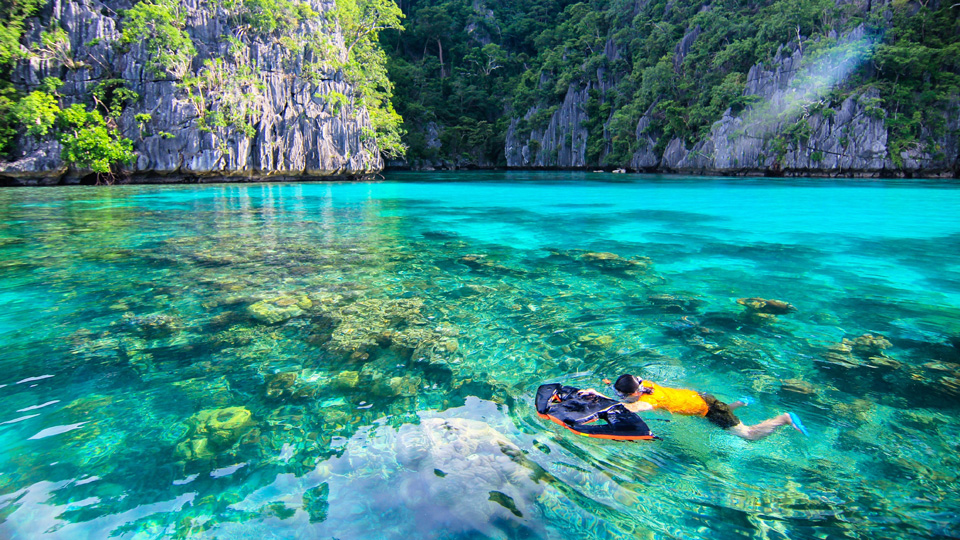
358	361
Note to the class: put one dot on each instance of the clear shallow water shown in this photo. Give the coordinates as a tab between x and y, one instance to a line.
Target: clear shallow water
359	360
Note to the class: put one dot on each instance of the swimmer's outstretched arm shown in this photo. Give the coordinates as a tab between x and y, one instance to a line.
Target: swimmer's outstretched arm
635	406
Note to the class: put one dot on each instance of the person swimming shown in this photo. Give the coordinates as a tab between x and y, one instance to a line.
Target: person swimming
639	395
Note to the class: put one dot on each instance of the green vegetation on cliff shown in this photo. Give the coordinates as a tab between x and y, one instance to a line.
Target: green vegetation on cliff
227	84
86	140
13	13
365	65
462	75
463	69
918	71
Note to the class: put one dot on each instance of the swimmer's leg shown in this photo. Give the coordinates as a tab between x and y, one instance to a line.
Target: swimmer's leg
761	430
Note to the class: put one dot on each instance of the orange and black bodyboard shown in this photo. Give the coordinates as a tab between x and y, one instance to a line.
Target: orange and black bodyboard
580	414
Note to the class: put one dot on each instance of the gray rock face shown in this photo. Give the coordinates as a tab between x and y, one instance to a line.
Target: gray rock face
297	129
683	47
645	159
563	143
849	138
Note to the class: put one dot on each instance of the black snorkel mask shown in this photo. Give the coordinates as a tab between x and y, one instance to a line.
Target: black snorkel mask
641	389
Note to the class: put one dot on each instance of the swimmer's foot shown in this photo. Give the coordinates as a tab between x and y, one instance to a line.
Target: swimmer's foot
795	422
742	402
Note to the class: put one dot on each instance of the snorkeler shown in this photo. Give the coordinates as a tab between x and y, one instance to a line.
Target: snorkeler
638	395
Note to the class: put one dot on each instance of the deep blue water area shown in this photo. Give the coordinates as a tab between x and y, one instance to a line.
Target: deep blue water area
359	360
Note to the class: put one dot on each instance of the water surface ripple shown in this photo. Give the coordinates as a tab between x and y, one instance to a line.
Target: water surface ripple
355	361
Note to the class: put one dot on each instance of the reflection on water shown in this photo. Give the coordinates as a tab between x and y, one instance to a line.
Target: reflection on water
359	360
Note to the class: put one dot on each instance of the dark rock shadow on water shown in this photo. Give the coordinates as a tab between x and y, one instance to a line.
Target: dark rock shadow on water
584	225
575	206
916	252
896	386
919	352
874	312
440	234
866	284
491	214
783	256
946	282
408	204
674	217
666	310
667	253
723	520
694	241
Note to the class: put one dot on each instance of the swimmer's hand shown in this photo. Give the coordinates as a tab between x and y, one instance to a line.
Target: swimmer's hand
590	392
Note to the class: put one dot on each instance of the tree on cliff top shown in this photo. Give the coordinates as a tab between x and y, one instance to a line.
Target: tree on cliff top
365	66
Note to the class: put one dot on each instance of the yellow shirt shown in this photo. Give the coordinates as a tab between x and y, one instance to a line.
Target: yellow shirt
675	400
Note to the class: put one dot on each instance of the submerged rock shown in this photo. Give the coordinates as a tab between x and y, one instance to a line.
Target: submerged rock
406	386
603	260
868	345
670	303
280	384
212	431
596	341
154	325
347	379
279	309
761	310
798	386
762	305
483	263
866	350
612	261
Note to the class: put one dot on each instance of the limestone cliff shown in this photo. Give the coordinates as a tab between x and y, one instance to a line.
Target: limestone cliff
562	143
792	128
849	138
304	123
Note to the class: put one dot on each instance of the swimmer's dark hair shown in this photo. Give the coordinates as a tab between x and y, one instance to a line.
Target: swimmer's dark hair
626	384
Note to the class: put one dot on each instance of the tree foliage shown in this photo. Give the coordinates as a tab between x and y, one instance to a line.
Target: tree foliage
36	112
365	65
158	26
918	74
89	144
628	55
13	13
86	140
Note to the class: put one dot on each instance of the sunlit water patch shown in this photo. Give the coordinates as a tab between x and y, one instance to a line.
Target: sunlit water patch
359	360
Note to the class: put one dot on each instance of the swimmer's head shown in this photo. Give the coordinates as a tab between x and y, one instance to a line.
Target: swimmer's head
627	384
